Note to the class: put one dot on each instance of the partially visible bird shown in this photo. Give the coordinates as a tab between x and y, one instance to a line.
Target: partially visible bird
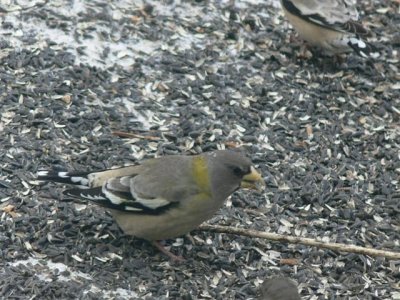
164	197
279	288
329	24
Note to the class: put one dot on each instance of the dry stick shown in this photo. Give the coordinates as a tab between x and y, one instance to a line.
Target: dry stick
135	135
300	240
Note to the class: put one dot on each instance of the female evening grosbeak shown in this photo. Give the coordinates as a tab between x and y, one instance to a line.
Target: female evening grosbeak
329	24
164	197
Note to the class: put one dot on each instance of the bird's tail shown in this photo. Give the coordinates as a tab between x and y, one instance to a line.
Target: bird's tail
76	178
362	48
81	180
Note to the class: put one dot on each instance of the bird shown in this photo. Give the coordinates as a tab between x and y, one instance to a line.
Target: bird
278	288
164	197
330	24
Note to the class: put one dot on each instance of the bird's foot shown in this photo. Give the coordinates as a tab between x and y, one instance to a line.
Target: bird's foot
172	256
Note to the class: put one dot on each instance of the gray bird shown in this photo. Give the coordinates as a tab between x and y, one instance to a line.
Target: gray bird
329	24
279	288
164	197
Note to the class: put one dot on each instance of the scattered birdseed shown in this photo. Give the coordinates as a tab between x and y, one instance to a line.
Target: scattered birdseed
94	84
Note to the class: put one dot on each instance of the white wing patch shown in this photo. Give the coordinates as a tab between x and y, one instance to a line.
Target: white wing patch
153	203
63	174
112	197
358	42
92	197
130	208
78	179
42	173
118	193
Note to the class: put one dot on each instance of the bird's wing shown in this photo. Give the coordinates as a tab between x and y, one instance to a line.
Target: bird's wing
138	193
152	187
339	15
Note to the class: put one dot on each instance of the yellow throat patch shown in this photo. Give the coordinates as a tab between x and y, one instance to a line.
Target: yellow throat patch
200	174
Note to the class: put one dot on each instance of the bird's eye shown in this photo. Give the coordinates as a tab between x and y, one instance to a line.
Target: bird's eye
238	171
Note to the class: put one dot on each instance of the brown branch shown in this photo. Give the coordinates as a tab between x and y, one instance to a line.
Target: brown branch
135	135
300	240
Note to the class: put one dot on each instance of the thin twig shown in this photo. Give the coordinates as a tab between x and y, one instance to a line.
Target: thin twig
300	240
135	135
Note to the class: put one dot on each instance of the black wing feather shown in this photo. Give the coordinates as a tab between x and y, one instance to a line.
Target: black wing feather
97	196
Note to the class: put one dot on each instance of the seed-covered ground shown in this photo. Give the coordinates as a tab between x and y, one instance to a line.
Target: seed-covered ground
93	84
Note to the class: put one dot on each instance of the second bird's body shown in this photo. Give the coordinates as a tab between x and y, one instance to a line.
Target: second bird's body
329	24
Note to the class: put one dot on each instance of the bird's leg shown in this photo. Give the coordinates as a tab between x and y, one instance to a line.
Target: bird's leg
339	59
167	253
305	51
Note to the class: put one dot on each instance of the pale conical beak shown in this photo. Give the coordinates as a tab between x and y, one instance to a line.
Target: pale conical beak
253	181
